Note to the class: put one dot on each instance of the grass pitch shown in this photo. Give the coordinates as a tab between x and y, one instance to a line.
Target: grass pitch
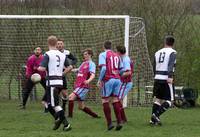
32	122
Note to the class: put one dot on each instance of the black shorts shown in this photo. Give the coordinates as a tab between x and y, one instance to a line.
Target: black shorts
64	83
163	90
53	95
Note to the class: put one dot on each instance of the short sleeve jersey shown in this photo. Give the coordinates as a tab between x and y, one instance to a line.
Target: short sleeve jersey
162	61
128	65
54	61
84	72
113	64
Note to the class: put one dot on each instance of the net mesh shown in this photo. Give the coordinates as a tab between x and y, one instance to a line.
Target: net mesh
19	37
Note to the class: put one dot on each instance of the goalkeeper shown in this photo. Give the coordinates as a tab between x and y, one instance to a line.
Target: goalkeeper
31	67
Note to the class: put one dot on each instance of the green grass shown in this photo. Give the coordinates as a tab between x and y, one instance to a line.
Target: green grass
32	122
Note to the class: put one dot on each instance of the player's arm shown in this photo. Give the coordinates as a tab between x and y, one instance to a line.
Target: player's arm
92	69
72	58
44	63
126	68
154	66
102	66
29	67
75	70
92	76
67	66
171	65
102	73
126	73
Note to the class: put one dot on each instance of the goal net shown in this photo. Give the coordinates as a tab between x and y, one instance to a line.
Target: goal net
19	35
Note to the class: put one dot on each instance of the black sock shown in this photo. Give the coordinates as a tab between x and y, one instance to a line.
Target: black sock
64	103
65	122
155	109
60	114
164	108
52	111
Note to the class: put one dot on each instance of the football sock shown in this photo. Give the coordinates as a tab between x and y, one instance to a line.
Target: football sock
64	101
52	111
117	110
163	108
155	109
123	115
60	114
90	112
107	113
65	122
24	98
70	108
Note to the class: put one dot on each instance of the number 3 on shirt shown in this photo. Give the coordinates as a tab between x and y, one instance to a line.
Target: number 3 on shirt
114	62
58	61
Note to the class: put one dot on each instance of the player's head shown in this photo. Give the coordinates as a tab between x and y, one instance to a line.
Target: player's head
121	50
52	41
107	45
87	54
169	40
60	44
38	51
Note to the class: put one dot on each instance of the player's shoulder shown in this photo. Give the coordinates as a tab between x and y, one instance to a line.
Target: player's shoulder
31	57
61	54
66	52
48	52
102	54
167	50
126	58
160	50
92	63
53	52
173	50
110	53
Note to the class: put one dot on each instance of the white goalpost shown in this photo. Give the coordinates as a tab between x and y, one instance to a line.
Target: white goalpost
21	33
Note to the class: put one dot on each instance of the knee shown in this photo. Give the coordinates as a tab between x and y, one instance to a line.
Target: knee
80	107
105	100
64	93
72	97
115	99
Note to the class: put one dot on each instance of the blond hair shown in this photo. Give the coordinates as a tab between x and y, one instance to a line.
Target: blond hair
52	41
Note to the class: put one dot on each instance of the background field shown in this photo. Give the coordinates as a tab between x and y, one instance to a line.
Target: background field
34	123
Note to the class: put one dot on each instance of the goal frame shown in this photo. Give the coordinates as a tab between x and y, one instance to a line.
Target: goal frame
125	17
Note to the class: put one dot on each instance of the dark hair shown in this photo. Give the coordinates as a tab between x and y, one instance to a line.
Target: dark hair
37	47
121	49
169	40
60	39
107	45
89	51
